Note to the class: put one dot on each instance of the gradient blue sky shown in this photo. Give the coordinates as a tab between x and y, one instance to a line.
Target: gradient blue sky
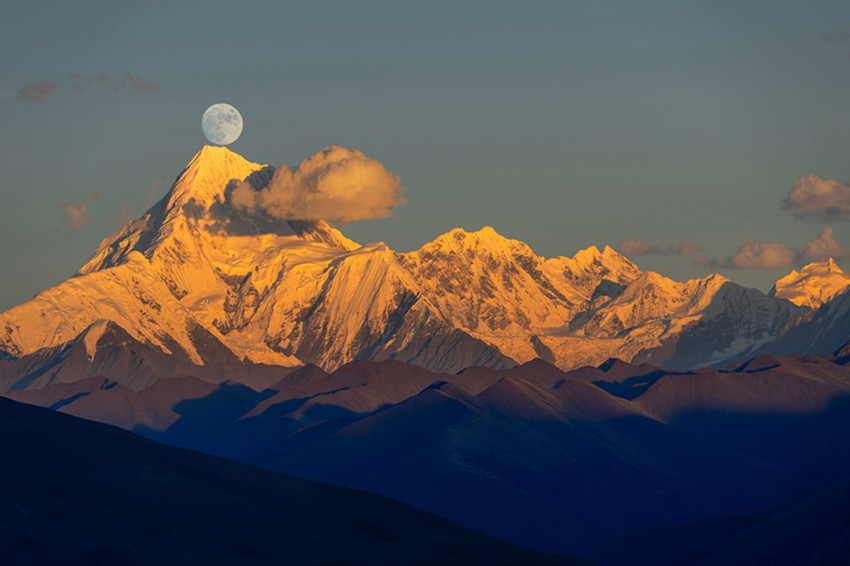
562	124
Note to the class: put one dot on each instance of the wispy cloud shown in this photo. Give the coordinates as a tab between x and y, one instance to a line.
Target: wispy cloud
635	247
154	193
113	85
75	215
841	35
684	248
125	213
35	92
77	84
120	218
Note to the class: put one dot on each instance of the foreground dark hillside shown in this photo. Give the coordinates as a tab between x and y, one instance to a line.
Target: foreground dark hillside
811	531
77	492
558	461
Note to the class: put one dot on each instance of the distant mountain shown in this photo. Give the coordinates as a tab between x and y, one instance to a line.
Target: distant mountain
559	461
813	285
106	349
83	493
195	280
207	283
825	330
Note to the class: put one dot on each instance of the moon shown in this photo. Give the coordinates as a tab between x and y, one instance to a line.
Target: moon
222	124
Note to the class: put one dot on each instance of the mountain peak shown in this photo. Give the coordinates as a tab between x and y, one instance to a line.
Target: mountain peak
609	263
207	174
813	285
592	253
588	254
828	266
487	238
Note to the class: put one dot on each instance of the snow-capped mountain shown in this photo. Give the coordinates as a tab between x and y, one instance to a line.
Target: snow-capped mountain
499	291
202	279
194	278
814	285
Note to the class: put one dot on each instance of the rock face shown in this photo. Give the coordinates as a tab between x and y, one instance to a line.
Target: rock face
201	279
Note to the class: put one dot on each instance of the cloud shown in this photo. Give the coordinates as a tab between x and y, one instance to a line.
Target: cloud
753	254
75	215
121	218
35	92
635	247
684	248
76	84
154	193
813	198
113	85
336	184
836	36
824	247
704	261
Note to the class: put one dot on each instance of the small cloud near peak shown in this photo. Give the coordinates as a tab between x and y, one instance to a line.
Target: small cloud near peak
75	215
337	185
824	247
754	254
684	248
635	247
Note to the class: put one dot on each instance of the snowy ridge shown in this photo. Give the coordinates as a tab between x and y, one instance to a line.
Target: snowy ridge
198	278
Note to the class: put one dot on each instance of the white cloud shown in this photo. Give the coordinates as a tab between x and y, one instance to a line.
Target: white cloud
824	247
336	184
753	254
813	198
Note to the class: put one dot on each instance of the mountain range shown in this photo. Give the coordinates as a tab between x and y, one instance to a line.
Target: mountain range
570	404
209	284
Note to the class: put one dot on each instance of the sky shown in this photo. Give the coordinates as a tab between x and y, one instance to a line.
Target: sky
656	127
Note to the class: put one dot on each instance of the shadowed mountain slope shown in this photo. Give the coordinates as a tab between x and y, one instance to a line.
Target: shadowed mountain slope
85	493
812	531
107	350
551	459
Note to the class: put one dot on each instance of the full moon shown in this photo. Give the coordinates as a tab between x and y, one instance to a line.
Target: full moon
222	124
